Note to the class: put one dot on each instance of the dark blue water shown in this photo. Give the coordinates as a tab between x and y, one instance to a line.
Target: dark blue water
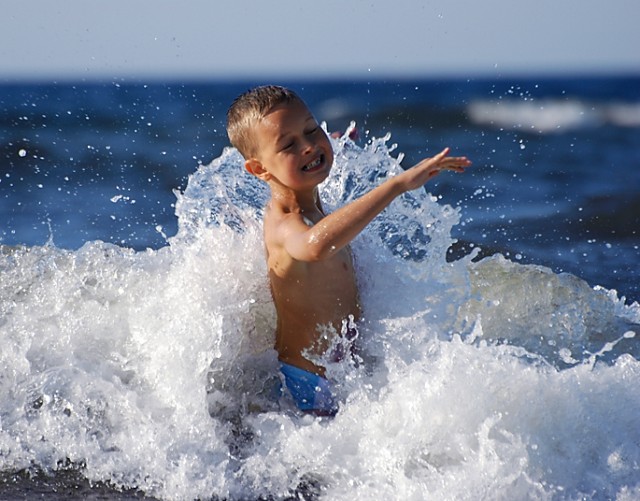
556	176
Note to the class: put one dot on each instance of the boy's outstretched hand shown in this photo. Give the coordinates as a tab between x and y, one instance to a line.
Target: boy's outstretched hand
423	171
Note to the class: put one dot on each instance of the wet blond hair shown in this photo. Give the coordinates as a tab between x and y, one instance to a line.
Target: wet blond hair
248	109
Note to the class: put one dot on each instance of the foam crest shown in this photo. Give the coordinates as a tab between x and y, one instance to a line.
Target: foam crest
552	115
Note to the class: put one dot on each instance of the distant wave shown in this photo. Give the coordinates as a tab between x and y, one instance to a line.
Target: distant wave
553	115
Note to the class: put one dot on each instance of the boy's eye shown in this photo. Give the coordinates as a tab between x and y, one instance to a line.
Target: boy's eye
312	131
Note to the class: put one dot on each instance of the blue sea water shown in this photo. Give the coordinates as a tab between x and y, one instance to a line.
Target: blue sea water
501	316
556	177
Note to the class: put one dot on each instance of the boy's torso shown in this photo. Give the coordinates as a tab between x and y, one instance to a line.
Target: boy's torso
311	298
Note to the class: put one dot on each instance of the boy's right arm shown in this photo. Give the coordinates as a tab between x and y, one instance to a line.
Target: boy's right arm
337	229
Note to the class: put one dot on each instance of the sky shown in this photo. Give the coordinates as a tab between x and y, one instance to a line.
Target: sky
227	39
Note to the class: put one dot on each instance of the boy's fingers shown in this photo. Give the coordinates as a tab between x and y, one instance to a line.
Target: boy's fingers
443	153
441	161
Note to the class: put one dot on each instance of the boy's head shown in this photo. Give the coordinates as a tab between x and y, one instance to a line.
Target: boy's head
248	109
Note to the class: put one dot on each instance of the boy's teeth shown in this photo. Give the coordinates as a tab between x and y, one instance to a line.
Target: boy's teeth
311	165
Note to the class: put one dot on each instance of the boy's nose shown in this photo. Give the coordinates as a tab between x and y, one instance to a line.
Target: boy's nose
308	146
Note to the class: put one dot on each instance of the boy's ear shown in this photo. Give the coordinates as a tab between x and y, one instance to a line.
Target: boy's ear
255	167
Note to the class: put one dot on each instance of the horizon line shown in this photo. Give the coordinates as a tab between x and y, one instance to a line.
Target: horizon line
194	77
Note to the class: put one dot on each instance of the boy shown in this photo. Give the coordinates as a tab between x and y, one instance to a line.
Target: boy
308	258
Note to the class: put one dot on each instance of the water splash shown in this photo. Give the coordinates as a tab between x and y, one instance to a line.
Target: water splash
154	370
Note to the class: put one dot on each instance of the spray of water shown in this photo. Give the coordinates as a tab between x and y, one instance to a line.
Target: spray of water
155	370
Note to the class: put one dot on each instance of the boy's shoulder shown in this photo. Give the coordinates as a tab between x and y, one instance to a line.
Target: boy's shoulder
274	219
279	223
275	215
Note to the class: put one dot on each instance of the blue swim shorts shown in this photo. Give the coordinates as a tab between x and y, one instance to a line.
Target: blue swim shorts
311	393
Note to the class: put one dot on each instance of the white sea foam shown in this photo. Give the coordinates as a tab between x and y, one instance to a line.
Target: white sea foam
552	115
154	370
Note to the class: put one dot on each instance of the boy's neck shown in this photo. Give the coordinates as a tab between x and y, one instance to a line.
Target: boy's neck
294	201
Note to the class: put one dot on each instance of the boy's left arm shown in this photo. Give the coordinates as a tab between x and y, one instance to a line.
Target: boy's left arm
337	229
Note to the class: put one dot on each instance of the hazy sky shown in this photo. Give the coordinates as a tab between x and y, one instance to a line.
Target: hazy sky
352	38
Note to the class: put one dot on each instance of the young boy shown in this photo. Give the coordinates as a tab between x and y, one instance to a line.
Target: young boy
310	267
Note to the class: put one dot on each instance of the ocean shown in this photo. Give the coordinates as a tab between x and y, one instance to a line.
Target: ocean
501	314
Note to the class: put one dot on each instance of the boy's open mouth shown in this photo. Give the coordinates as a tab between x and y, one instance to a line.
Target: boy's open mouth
314	164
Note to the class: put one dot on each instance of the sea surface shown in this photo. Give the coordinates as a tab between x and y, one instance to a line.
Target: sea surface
501	318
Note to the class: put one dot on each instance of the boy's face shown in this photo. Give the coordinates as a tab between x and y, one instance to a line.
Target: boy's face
292	149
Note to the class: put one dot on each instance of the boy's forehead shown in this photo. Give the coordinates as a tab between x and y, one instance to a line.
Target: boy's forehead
282	113
295	106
